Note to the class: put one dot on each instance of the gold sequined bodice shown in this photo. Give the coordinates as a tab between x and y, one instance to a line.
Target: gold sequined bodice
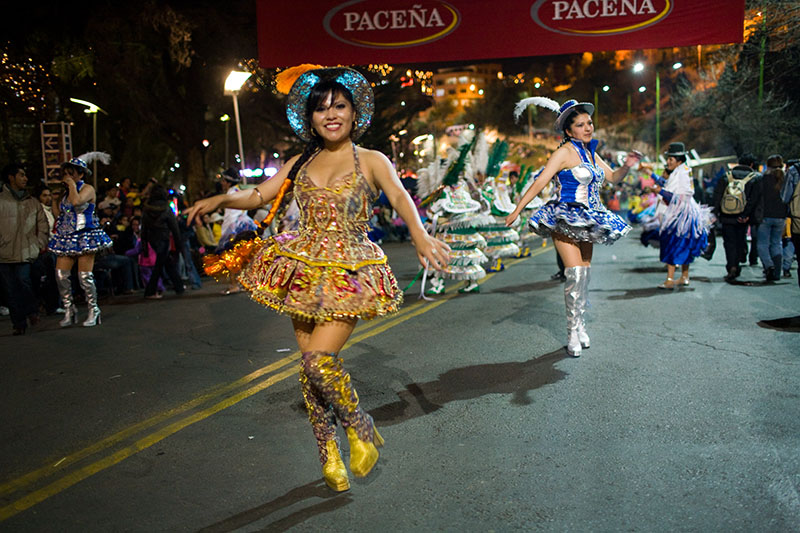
334	221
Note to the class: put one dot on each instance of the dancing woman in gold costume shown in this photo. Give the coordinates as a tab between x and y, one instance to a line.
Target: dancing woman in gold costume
327	274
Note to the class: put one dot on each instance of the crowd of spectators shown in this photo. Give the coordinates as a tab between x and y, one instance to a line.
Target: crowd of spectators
149	237
154	251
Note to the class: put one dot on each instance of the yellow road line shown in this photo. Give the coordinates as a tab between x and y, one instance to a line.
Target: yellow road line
72	478
47	470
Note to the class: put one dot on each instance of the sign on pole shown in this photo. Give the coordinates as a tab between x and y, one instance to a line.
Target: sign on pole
56	148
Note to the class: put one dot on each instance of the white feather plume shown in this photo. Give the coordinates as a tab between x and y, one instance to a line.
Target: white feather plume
91	157
541	101
480	154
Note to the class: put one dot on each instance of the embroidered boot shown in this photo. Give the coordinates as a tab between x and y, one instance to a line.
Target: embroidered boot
332	381
323	424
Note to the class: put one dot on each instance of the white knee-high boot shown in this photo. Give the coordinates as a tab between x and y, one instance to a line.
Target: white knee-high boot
583	275
65	290
88	286
571	297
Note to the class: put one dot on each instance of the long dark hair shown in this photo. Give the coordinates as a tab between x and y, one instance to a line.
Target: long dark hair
775	168
319	92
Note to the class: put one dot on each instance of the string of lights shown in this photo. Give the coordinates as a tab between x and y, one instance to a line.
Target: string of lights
25	81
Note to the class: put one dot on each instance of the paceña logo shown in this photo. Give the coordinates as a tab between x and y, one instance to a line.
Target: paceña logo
599	17
391	23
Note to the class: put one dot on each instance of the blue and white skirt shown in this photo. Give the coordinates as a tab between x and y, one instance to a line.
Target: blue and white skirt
83	242
684	230
578	223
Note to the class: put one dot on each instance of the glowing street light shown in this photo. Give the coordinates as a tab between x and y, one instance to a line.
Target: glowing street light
233	84
638	67
91	109
226	119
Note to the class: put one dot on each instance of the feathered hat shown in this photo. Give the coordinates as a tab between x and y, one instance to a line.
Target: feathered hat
82	162
563	110
306	77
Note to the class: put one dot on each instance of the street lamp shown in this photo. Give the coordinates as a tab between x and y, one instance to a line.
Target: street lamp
233	85
227	120
91	109
638	67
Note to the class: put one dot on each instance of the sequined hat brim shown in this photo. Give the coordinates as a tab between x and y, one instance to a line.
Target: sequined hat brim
562	117
83	167
354	81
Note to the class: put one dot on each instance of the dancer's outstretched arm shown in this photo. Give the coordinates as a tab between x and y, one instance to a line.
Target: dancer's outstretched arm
384	176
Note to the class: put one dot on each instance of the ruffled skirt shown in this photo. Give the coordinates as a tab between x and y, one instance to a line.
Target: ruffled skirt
83	242
466	255
318	293
578	223
500	240
684	230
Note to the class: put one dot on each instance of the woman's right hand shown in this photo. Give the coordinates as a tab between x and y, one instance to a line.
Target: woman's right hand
201	207
510	219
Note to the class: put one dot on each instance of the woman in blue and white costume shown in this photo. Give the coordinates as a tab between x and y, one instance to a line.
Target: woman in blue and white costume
78	236
575	218
683	223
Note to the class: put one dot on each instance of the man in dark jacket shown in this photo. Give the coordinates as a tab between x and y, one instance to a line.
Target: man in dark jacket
734	226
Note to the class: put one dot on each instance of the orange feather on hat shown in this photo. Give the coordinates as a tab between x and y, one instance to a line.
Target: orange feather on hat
286	78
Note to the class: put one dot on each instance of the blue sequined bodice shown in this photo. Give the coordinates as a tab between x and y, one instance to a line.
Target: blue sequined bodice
581	184
78	217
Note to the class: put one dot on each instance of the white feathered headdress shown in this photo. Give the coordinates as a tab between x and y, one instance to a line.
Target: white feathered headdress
541	101
84	160
562	110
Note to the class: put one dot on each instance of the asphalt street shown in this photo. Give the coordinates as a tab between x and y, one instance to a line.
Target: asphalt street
185	414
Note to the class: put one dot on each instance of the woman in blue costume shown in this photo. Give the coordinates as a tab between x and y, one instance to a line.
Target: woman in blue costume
575	218
78	237
683	223
328	274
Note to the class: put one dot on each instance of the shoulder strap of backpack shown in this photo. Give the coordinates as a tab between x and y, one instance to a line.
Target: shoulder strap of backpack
749	177
729	176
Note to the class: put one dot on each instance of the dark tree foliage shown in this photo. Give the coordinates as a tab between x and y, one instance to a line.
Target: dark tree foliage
496	108
730	117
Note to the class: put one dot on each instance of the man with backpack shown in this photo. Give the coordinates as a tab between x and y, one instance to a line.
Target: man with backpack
790	194
737	201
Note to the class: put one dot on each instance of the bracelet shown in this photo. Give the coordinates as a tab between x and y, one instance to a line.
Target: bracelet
259	195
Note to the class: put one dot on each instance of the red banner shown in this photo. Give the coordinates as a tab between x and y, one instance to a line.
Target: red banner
358	32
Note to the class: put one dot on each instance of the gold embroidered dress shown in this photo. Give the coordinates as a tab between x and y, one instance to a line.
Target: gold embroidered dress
329	268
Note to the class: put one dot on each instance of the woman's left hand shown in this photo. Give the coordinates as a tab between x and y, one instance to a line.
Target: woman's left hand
632	159
432	252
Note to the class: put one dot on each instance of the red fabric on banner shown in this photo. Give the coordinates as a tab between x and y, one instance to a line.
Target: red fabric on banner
334	32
